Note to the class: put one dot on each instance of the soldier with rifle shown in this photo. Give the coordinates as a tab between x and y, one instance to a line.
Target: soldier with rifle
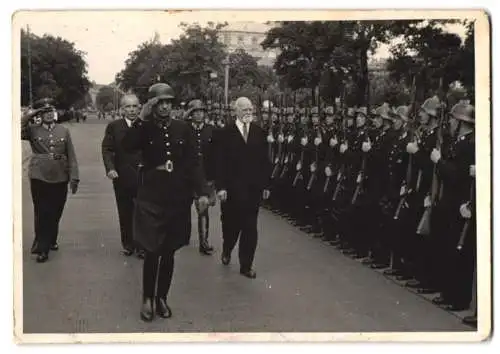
454	168
420	149
329	164
286	159
302	172
343	191
315	182
360	154
397	161
377	172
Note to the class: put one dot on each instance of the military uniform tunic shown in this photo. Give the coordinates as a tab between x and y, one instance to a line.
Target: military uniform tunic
172	176
52	165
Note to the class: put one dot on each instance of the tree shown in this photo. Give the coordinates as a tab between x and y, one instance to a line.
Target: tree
108	98
58	70
430	53
185	63
327	53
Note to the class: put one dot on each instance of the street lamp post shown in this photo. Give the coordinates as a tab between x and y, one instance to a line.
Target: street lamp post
225	62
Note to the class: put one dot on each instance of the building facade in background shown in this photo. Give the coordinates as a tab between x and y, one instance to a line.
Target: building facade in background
248	36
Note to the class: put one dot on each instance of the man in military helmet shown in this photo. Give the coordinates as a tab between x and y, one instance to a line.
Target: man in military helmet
52	167
205	150
172	175
122	168
456	167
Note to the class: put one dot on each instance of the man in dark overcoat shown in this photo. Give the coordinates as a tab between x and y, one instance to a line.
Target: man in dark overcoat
172	174
123	169
242	179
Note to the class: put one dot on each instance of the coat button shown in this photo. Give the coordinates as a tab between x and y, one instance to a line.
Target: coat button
168	152
168	144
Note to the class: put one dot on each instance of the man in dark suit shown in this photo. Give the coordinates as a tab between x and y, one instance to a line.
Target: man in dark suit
242	179
123	169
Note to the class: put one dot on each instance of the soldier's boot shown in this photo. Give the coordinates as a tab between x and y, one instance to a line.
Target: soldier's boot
470	320
203	225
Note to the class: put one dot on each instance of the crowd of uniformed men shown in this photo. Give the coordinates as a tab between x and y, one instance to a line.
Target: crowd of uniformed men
391	186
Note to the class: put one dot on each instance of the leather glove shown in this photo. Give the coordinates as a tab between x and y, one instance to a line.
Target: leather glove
412	148
465	211
435	155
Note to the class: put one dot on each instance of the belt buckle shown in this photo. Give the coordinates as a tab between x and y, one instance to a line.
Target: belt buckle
169	166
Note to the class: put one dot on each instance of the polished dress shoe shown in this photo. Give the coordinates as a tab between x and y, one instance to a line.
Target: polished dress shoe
147	314
439	300
226	259
413	284
249	273
207	250
470	320
34	248
42	257
127	253
455	307
54	247
140	254
392	272
162	309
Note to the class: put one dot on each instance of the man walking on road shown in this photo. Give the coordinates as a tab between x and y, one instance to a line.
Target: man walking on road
172	175
242	177
123	169
53	165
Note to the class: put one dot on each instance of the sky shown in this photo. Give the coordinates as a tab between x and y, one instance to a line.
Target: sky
108	37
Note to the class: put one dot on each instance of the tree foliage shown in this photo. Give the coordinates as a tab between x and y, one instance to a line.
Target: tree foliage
58	70
435	56
108	98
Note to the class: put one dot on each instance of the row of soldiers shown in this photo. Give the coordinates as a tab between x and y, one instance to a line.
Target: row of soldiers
392	187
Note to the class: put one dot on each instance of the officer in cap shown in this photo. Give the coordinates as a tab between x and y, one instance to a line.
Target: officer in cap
205	150
172	174
52	167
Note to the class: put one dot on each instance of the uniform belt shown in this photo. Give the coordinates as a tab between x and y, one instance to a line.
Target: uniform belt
167	166
53	156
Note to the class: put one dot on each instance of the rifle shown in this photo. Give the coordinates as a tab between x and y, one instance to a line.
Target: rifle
424	226
341	172
288	155
465	228
315	164
406	184
280	147
299	175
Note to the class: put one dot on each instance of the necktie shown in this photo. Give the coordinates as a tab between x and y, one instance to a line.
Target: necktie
245	131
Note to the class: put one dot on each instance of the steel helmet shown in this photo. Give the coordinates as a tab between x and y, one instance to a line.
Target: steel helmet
463	112
161	91
195	105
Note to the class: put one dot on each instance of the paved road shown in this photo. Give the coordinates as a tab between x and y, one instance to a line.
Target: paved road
302	285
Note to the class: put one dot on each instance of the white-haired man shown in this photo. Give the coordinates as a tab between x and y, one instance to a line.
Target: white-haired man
242	179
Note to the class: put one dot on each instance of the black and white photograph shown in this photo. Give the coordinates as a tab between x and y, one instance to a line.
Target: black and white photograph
305	176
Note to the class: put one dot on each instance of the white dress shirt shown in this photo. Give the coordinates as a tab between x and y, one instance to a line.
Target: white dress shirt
129	122
240	124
